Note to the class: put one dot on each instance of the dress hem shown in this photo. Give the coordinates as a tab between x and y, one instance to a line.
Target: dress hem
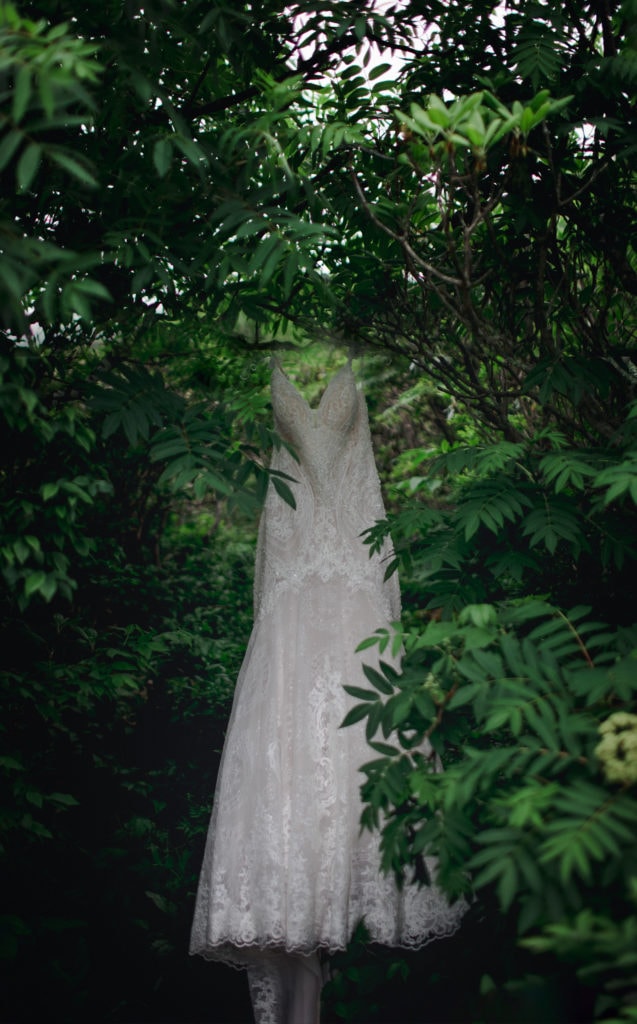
214	953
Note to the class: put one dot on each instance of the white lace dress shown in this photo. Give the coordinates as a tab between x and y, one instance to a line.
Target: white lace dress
286	866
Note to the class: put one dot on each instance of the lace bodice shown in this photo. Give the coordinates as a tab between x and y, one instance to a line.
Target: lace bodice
319	436
337	496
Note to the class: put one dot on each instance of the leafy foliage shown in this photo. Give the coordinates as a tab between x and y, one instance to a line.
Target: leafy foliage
449	189
112	731
515	697
44	513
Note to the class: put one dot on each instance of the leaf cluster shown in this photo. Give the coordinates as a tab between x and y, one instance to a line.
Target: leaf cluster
513	697
183	182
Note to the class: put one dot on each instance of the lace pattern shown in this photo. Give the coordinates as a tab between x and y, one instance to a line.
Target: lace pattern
337	496
286	866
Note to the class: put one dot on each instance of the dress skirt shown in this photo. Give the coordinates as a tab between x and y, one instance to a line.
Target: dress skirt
286	864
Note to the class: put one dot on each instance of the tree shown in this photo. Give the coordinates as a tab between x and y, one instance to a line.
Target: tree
131	472
501	284
449	187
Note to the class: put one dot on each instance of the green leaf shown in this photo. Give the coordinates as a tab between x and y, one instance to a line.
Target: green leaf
21	92
379	70
356	714
360	693
377	680
272	260
65	799
465	695
74	167
383	748
75	301
401	707
33	583
283	491
28	166
162	156
375	718
191	150
8	146
254	226
49	490
49	587
370	641
89	286
47	97
507	886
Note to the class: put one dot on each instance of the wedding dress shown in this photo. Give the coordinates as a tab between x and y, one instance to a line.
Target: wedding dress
287	871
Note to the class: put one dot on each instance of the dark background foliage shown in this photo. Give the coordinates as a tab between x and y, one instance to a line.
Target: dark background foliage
448	191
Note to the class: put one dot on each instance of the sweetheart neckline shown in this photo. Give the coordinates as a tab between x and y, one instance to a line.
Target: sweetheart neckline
312	408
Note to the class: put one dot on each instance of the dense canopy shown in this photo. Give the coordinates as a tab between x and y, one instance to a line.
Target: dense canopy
446	190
